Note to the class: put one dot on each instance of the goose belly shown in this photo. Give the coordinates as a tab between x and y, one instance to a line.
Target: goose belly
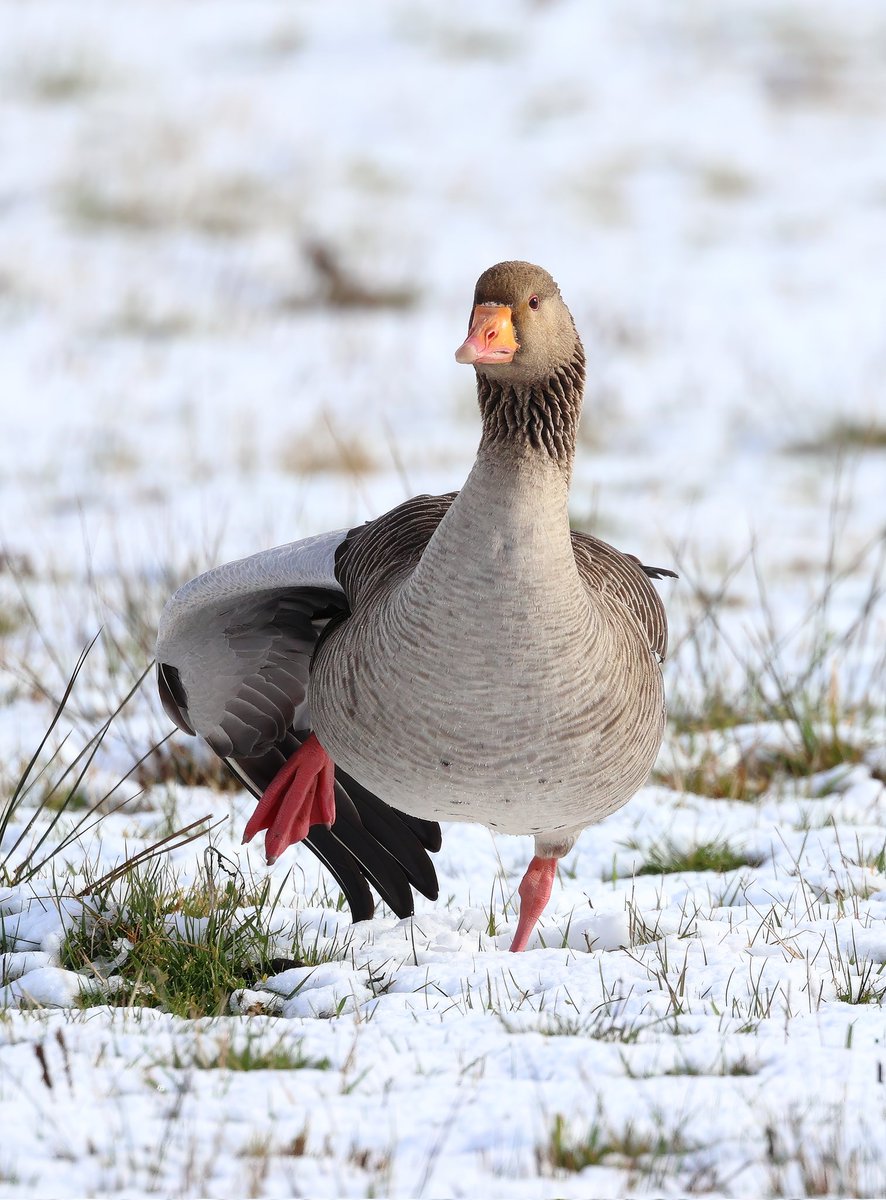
520	732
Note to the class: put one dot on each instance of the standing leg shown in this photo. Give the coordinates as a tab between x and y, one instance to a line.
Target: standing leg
534	891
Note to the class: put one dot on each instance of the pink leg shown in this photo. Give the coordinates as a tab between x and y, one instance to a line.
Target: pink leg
535	891
300	795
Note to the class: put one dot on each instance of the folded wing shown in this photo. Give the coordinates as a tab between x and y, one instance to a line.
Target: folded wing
623	578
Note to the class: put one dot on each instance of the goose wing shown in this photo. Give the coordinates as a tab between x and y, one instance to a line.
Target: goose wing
234	653
623	578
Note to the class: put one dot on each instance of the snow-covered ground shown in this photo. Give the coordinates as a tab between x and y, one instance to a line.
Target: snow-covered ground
181	382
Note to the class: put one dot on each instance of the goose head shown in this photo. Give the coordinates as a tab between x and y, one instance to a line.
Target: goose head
520	331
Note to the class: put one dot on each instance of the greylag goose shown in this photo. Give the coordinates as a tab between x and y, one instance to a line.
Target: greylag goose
467	657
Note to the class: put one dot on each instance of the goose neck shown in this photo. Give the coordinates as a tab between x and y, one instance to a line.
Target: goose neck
530	422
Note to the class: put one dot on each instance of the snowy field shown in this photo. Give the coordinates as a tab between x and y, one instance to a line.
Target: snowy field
237	251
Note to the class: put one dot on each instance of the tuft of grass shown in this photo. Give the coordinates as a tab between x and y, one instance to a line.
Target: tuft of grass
191	764
857	980
452	41
875	859
722	1067
220	206
62	80
90	207
337	286
726	182
567	1150
717	712
137	319
601	1026
263	1146
12	619
817	752
747	780
607	1022
811	1154
664	858
323	449
74	801
283	41
250	1055
757	771
868	986
184	949
843	436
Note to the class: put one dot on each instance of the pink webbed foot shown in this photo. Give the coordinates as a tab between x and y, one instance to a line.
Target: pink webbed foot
300	795
534	892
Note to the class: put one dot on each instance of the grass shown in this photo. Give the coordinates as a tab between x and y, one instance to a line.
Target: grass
875	859
739	1066
223	206
138	318
250	1055
857	980
184	949
867	985
665	858
569	1151
842	436
748	780
53	782
323	449
812	680
760	770
724	181
74	801
717	712
811	1155
64	79
338	287
11	619
602	1025
188	762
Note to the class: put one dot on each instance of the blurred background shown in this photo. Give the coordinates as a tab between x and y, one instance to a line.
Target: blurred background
238	245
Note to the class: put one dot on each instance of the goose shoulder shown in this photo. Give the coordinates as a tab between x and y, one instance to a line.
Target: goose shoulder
388	547
391	545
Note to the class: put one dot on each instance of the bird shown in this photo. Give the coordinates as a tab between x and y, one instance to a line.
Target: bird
463	657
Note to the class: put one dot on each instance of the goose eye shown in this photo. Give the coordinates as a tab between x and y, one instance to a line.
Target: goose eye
533	302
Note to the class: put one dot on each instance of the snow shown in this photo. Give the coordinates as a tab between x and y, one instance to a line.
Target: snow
176	392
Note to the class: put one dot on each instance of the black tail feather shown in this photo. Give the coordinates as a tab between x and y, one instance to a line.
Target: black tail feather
658	572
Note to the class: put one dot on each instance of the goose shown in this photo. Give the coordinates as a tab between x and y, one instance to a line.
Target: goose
464	657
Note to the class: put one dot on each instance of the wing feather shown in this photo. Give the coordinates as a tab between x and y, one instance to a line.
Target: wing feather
234	654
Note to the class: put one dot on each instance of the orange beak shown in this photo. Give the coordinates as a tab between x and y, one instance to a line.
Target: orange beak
491	337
